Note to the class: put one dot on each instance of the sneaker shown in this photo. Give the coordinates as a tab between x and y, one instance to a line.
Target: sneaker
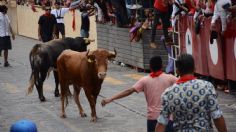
153	45
6	64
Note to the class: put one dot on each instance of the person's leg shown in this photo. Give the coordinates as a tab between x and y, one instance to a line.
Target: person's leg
151	125
169	127
57	31
154	26
62	30
6	58
165	24
7	46
102	5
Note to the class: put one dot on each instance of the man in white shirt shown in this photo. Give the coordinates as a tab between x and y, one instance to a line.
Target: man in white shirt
5	29
220	11
59	13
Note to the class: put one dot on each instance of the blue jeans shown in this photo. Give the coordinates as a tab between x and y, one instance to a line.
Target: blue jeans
151	125
84	33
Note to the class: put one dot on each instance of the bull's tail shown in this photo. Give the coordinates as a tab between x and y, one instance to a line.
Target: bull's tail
64	84
49	71
31	84
32	57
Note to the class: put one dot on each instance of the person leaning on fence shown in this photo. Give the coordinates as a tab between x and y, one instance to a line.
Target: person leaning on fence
5	30
162	10
59	13
152	85
46	25
220	11
86	12
191	102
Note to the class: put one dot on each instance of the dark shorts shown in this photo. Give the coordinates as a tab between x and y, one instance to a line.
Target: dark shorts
5	43
60	27
46	38
151	125
84	33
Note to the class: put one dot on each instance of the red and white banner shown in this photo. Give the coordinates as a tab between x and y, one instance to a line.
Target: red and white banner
193	44
218	59
230	43
214	52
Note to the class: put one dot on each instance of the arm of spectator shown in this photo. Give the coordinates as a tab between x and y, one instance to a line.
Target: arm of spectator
39	31
54	26
91	12
216	14
65	9
232	9
193	3
12	33
220	124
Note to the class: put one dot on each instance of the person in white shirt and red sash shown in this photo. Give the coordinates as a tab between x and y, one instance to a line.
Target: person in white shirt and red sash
59	13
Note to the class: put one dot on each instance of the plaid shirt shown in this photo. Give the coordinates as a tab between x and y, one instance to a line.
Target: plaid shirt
193	104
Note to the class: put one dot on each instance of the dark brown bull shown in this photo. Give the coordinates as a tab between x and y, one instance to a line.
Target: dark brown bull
43	57
85	70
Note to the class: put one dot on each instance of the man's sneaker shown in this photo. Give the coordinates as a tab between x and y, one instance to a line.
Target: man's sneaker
6	64
153	45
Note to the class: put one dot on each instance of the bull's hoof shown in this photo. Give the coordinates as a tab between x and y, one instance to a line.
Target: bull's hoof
42	99
93	119
83	115
57	94
63	116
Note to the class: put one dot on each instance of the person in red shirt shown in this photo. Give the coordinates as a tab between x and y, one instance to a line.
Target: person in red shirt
161	11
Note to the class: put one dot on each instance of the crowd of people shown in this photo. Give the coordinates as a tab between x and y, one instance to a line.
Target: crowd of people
185	103
133	14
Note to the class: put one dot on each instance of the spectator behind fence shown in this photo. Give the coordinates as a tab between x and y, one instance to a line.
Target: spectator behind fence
59	13
85	22
220	11
99	15
120	12
191	102
162	11
46	25
152	85
5	30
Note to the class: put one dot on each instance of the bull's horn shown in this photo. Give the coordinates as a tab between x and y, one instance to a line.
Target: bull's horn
87	40
113	55
115	52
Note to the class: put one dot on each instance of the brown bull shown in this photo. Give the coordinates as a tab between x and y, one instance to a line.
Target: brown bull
85	70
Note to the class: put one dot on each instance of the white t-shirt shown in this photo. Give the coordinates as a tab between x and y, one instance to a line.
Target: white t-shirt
4	25
221	13
60	13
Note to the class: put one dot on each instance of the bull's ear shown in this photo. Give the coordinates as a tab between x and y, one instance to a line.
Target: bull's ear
91	58
112	55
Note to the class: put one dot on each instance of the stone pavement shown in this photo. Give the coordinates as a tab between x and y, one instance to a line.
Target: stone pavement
124	115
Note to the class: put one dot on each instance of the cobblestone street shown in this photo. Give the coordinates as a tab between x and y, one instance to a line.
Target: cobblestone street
124	115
